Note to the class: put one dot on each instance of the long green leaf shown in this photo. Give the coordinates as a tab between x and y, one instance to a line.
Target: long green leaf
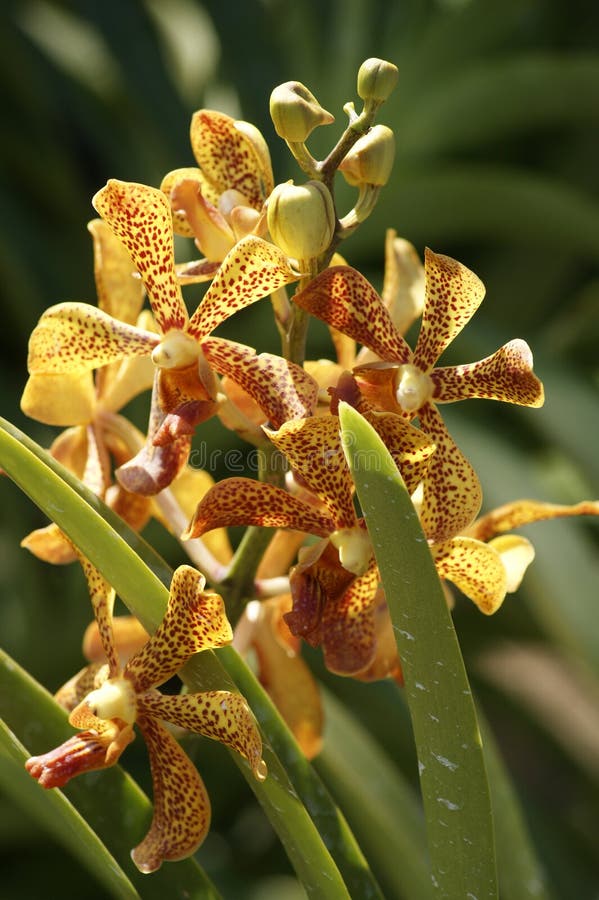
452	770
81	516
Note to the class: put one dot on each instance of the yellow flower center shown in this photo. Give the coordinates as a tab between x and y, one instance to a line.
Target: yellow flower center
115	699
355	549
414	388
176	350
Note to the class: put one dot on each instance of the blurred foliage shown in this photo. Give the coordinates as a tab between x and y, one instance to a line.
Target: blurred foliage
497	124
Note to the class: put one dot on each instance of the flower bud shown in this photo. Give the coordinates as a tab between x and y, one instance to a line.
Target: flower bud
376	79
371	158
296	112
301	219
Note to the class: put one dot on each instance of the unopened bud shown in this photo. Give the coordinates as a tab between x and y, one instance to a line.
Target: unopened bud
296	112
301	219
376	79
371	158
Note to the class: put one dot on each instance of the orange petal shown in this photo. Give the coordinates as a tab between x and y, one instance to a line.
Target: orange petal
282	389
345	300
195	620
60	399
50	545
524	512
220	715
140	216
76	337
453	294
452	491
313	447
385	663
250	271
283	673
506	375
231	155
242	501
181	804
213	235
169	184
129	637
475	568
120	294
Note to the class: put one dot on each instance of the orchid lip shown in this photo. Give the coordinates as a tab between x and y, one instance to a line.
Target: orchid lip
414	388
176	350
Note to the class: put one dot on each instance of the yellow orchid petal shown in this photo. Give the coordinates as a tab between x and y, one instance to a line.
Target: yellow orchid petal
77	337
348	625
60	399
250	271
140	216
475	568
410	448
345	300
232	155
50	545
516	554
506	375
524	512
242	501
453	294
452	491
70	449
195	620
102	597
182	812
283	673
313	447
126	381
120	294
219	715
282	389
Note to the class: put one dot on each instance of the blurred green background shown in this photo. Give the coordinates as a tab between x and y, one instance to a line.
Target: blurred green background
497	124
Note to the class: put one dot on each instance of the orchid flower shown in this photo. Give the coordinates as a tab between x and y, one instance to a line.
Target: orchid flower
122	697
409	384
334	584
72	338
221	201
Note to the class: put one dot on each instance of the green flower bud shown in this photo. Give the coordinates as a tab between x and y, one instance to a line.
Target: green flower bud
301	219
371	158
296	112
376	79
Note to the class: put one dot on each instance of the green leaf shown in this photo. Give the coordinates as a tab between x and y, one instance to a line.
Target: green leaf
83	517
450	758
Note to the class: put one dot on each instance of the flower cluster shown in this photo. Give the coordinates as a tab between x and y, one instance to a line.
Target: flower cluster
318	579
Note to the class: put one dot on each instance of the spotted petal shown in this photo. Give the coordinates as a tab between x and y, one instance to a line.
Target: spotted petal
313	447
243	501
410	448
220	715
231	155
181	804
195	620
506	375
348	625
523	512
452	491
140	216
345	300
453	294
250	271
282	389
76	337
102	598
475	568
